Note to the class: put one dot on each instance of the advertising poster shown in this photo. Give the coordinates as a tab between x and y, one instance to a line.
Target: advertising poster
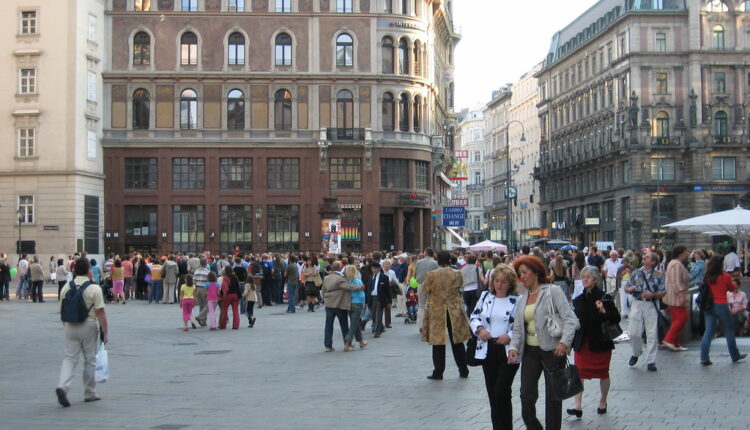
331	236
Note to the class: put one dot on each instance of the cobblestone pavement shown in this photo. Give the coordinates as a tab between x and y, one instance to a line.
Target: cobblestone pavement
277	376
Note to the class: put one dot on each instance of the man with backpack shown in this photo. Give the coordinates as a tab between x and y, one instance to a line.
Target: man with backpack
81	307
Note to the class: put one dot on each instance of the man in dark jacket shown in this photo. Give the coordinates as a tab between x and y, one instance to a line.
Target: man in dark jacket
380	297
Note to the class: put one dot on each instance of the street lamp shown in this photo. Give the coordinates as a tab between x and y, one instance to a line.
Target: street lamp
258	216
19	214
508	173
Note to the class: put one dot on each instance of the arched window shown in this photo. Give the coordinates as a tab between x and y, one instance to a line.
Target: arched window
716	6
236	110
388	111
283	50
344	50
188	110
141	48
387	55
189	49
141	109
403	114
403	56
417	114
236	54
717	37
344	109
661	125
720	125
417	58
282	108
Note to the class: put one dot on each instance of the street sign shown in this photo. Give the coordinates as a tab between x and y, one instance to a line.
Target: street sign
459	202
511	193
454	216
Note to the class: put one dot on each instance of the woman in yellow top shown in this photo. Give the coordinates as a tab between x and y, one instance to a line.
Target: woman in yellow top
307	278
118	281
187	301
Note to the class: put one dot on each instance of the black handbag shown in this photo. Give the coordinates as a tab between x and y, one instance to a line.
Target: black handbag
471	350
610	331
564	383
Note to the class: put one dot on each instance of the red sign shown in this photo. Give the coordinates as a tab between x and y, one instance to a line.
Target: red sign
459	202
462	154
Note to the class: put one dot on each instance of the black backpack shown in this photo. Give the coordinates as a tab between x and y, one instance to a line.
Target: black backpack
267	273
705	298
234	286
73	309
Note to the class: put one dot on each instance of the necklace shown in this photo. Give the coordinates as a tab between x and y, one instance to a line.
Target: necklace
534	292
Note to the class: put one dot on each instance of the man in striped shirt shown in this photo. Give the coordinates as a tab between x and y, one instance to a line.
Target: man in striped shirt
200	278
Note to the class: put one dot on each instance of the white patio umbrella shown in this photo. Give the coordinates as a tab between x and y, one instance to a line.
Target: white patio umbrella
488	245
734	222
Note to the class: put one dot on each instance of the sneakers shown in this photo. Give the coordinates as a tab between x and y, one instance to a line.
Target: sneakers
740	357
670	346
681	348
633	360
62	397
92	398
330	349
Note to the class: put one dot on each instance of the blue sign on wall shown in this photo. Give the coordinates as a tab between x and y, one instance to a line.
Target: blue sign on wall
454	216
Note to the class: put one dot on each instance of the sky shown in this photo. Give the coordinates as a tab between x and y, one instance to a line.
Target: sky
502	40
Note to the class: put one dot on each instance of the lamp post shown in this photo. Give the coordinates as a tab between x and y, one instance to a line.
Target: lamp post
258	216
508	173
19	214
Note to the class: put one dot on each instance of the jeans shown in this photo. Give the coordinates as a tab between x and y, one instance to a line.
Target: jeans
459	354
498	379
36	291
3	289
21	292
332	313
278	290
531	370
470	300
292	301
156	291
249	308
721	313
354	332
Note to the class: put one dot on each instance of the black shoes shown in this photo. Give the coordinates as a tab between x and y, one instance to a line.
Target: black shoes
577	412
602	411
633	360
435	377
740	357
62	397
463	373
706	362
651	367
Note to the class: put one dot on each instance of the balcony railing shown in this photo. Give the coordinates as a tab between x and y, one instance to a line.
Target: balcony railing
475	187
665	141
730	140
336	134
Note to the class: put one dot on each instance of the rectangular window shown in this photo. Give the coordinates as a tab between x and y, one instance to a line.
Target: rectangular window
283	173
422	177
283	226
91	224
478	155
26	142
188	173
236	5
140	173
189	5
662	169
608	209
394	173
142	5
346	173
236	229
91	144
720	82
344	6
140	221
662	81
660	44
27	81
724	168
92	28
26	205
236	173
28	22
91	86
283	6
188	228
477	201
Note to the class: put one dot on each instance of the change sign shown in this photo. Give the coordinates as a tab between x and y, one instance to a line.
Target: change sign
454	216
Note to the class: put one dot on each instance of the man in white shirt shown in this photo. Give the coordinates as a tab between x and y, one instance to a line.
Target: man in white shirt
23	283
611	266
732	260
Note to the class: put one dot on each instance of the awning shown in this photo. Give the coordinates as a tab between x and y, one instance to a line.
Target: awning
446	180
464	244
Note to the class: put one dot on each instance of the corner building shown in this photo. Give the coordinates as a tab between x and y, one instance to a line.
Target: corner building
643	116
228	121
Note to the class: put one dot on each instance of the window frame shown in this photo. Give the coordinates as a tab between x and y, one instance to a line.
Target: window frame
662	83
345	109
394	173
26	204
403	56
660	42
283	173
182	216
344	50
26	142
404	100
188	173
285	49
721	168
718	37
235	49
188	110
188	49
235	173
235	226
27	81
720	85
138	5
283	6
141	109
235	110
28	25
721	124
282	109
667	166
422	175
345	170
189	6
344	6
140	170
387	63
141	50
388	118
239	6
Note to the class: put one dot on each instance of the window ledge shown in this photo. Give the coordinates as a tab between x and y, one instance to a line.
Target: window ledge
32	95
29	36
25	52
31	158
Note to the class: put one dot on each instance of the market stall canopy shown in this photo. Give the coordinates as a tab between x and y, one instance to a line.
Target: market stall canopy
734	222
488	245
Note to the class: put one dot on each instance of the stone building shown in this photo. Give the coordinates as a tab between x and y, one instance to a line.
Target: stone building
495	124
51	124
471	140
228	121
643	119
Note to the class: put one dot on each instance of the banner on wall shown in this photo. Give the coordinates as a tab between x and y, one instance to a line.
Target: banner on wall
331	236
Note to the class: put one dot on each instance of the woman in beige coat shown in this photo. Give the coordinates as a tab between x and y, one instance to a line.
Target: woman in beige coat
444	310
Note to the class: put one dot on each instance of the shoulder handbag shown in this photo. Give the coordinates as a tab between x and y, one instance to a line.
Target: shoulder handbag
610	330
662	322
471	344
318	280
564	383
554	323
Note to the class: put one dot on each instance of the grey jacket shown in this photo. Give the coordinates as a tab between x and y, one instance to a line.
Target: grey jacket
424	266
541	313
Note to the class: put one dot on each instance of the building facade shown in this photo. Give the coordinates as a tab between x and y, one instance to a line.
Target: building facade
52	123
496	119
471	140
643	119
228	121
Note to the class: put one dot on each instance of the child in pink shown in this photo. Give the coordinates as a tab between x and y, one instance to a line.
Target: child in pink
212	296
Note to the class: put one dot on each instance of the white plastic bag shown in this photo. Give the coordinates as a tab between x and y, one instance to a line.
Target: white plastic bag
102	364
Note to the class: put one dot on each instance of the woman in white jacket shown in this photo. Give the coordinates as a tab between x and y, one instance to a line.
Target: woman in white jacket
492	322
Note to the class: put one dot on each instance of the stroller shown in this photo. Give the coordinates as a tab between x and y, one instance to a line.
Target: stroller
412	300
109	296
